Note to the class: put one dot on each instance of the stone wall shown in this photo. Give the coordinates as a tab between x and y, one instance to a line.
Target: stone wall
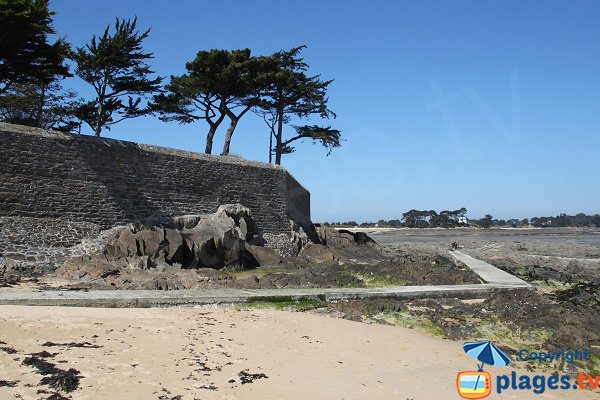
94	184
298	201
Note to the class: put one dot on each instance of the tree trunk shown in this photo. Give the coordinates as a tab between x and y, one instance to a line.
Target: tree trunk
234	121
278	144
101	98
209	139
98	127
40	106
270	145
213	129
228	135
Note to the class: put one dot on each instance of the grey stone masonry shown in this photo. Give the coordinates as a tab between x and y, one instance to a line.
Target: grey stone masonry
105	182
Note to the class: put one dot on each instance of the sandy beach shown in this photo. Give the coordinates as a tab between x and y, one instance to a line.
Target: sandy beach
193	353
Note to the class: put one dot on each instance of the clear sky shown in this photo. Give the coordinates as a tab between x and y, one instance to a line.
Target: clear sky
489	105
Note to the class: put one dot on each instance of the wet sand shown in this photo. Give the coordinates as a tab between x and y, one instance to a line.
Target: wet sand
571	250
583	236
199	352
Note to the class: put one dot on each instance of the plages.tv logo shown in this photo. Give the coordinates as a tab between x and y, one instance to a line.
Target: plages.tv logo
478	384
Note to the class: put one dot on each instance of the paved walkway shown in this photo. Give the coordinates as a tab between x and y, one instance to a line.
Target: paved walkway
488	272
495	280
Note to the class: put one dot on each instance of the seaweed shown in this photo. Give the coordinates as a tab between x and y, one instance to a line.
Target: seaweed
86	345
57	396
583	293
44	367
44	354
8	350
56	378
64	380
247	377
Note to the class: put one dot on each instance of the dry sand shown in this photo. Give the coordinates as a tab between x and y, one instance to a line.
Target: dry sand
149	353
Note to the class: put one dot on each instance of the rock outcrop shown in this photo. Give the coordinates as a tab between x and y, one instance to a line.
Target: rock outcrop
217	240
342	247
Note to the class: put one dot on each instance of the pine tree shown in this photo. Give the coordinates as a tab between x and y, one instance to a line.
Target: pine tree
47	106
25	54
287	91
115	65
218	84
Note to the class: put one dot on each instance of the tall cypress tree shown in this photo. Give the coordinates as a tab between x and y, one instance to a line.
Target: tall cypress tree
115	65
287	92
25	54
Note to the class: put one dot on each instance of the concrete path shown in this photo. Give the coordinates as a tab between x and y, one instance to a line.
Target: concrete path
157	298
488	272
495	280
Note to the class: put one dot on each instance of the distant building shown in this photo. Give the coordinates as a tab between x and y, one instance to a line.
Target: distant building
463	220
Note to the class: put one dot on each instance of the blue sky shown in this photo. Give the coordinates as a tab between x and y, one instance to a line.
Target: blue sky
489	105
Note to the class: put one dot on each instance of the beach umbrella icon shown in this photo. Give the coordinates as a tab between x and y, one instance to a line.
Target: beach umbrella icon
486	353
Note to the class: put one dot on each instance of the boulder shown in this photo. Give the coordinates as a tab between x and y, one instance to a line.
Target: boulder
361	238
241	217
186	221
334	238
298	237
120	243
318	253
173	246
126	244
264	256
87	269
9	271
149	241
355	246
199	250
228	238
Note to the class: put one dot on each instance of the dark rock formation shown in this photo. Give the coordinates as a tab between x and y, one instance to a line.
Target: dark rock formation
194	241
343	246
319	254
264	256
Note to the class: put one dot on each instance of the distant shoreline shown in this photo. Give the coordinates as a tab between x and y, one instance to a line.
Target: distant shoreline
532	230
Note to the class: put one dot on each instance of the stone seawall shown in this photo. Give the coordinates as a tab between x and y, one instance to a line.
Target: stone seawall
82	185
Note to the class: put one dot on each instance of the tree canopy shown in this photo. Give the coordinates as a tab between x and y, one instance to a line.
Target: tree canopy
31	68
288	91
25	54
47	106
115	65
326	136
218	84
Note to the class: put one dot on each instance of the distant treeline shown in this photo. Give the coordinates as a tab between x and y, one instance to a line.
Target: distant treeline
457	218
